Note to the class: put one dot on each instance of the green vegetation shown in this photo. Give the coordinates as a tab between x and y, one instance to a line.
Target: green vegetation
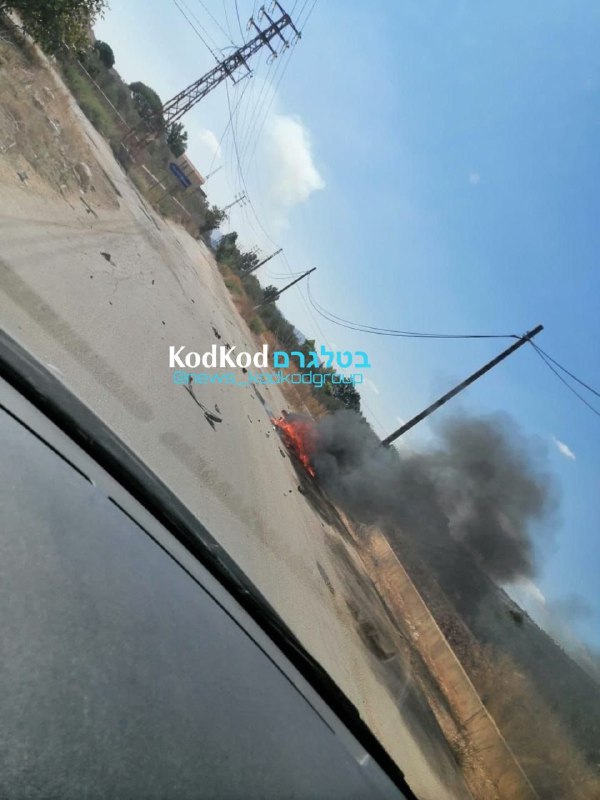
270	294
90	102
105	53
177	139
56	24
115	108
256	326
212	219
268	319
146	102
62	28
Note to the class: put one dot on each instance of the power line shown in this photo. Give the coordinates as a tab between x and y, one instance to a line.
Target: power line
218	148
227	22
304	4
245	188
233	134
252	138
281	275
185	100
217	23
196	31
249	129
237	14
242	180
570	374
302	25
542	355
251	102
344	323
265	115
522	340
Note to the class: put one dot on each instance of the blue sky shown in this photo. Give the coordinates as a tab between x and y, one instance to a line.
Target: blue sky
439	163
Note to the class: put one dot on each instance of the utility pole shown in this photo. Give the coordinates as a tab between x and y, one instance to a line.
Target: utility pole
279	293
264	261
181	103
239	198
434	406
210	174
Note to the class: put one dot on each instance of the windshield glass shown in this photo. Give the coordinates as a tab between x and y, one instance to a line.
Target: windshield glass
328	270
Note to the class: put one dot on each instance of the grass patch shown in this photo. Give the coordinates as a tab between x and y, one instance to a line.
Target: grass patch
256	325
233	284
90	102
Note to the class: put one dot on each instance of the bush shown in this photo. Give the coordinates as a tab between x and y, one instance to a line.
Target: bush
233	285
105	53
90	103
256	325
56	24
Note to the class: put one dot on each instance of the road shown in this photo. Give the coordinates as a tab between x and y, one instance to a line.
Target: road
99	299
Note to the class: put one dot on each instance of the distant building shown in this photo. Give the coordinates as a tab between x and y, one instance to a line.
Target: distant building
186	166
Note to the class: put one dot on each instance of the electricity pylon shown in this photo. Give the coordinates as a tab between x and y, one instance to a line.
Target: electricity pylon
185	100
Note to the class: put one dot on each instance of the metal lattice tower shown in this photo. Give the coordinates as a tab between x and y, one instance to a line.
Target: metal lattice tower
185	100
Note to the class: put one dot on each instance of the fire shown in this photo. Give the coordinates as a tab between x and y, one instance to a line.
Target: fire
297	434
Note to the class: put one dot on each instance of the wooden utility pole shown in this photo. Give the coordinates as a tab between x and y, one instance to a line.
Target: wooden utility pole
281	291
264	261
239	198
434	406
214	172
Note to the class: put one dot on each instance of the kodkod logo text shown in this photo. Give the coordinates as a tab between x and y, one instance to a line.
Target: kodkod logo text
223	357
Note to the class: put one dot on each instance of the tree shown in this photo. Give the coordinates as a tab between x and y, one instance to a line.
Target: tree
248	261
147	103
214	217
270	293
227	250
177	139
105	53
346	394
56	24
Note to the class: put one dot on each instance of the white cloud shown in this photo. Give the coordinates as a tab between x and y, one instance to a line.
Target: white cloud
293	174
474	178
563	449
210	141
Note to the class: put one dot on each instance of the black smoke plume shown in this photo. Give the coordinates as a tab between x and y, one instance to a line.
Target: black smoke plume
480	483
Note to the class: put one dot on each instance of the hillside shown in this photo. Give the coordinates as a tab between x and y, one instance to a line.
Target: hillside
545	704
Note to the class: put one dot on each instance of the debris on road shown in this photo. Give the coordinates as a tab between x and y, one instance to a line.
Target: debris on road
208	415
88	207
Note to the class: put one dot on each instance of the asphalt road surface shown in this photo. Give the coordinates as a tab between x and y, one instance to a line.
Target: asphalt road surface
99	300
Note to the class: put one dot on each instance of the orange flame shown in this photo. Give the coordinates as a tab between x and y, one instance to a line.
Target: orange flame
297	435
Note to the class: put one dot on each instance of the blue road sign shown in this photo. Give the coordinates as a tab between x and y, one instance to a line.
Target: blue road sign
180	175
